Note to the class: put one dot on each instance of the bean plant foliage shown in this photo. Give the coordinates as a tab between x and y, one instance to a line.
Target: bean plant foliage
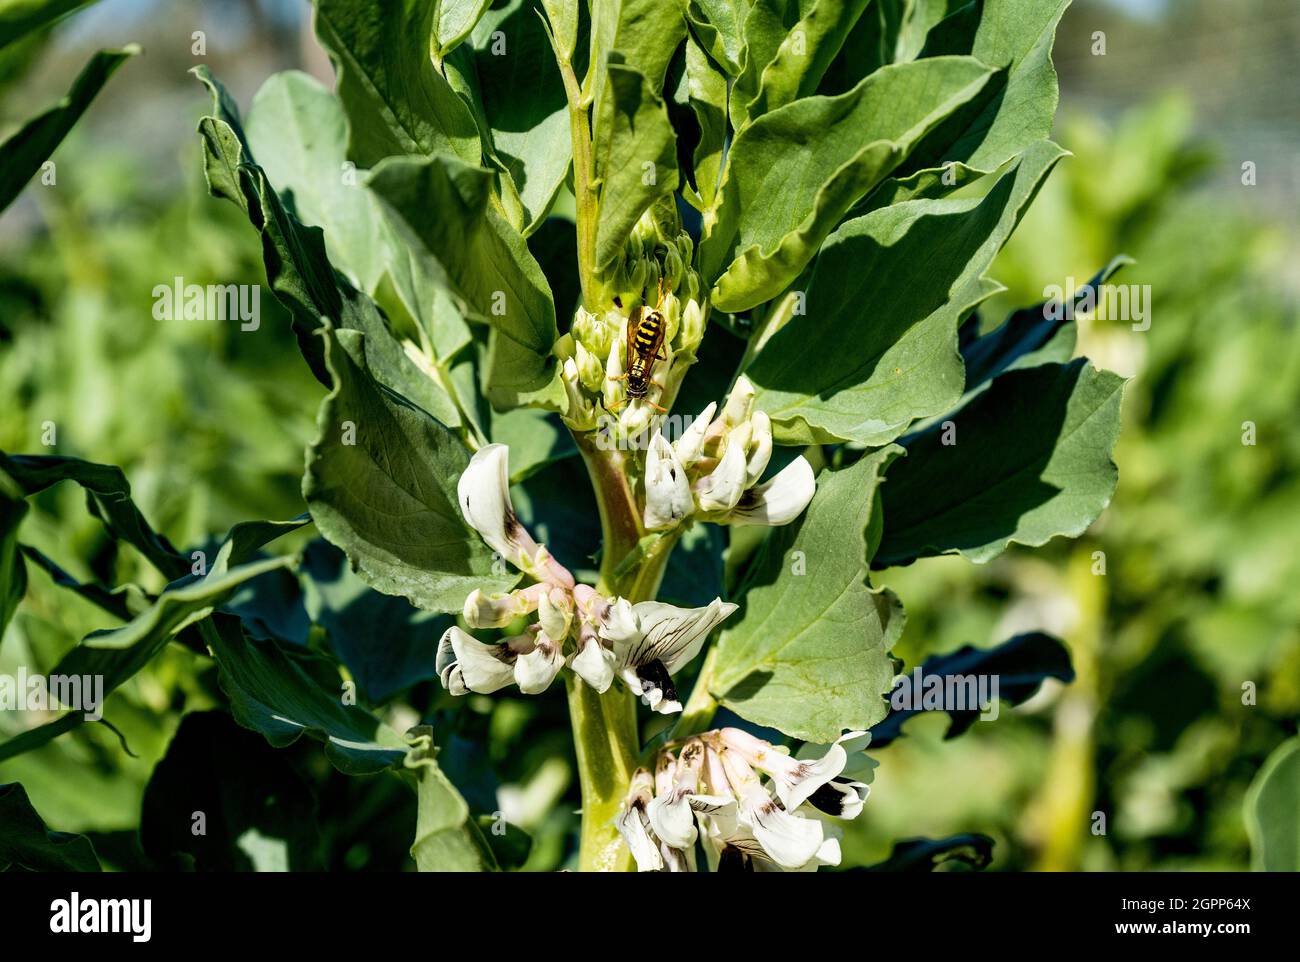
647	330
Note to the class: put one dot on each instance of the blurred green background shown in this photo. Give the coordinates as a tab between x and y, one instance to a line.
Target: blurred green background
1198	548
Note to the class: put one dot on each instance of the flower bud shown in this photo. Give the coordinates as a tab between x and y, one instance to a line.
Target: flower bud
692	328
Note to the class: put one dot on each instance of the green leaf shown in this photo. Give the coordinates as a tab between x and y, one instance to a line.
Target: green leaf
562	16
108	498
297	131
491	266
22	154
639	34
387	644
381	484
1031	335
396	101
123	602
970	849
786	60
297	267
258	813
13	572
1019	106
20	18
1020	664
273	694
535	438
446	839
1272	811
453	21
116	655
809	652
706	92
1031	461
524	103
848	144
718	27
895	284
25	842
635	156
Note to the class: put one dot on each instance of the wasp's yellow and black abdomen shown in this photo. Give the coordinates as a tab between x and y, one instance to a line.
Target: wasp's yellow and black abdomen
644	343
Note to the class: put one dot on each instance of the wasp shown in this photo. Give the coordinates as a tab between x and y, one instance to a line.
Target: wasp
645	341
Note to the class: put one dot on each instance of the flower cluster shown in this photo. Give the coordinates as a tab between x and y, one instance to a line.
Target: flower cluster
712	470
713	792
654	273
598	638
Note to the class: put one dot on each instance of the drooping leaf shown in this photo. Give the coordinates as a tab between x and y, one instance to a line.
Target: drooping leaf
116	655
123	602
1272	811
396	101
13	572
23	152
272	693
972	850
21	18
635	156
381	484
453	21
754	248
108	498
1031	335
808	653
446	838
895	284
1027	460
490	265
386	644
1020	665
26	844
256	812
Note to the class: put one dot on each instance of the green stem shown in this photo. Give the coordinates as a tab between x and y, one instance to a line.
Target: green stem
605	740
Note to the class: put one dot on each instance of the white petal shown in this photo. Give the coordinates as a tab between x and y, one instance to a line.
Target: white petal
477	667
760	447
484	493
555	613
667	491
780	500
496	611
672	820
535	670
691	444
739	403
789	840
614	387
670	634
721	490
594	664
619	624
632	826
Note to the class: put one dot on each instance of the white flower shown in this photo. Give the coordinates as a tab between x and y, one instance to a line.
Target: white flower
780	500
712	793
484	495
723	460
651	640
667	491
